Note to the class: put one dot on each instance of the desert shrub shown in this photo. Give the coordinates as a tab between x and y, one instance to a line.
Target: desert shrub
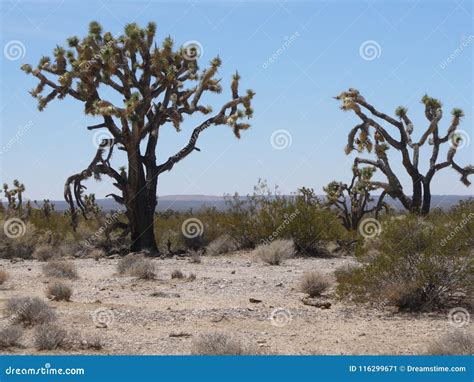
29	311
3	276
314	283
266	215
457	342
143	269
60	269
59	291
96	254
191	277
10	336
223	244
217	344
275	252
43	252
195	258
126	263
177	274
21	246
50	337
408	267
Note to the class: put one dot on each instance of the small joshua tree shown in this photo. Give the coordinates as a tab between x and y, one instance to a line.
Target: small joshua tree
371	135
352	201
159	86
14	195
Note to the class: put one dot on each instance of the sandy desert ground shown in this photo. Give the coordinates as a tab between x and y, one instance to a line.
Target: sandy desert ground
163	316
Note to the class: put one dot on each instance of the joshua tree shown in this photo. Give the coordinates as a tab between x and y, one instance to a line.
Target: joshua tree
159	86
352	201
371	135
15	195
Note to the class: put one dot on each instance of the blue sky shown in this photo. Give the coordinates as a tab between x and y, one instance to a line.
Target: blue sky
316	50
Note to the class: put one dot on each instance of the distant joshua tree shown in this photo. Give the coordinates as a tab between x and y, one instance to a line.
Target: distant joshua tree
158	86
371	135
14	195
351	201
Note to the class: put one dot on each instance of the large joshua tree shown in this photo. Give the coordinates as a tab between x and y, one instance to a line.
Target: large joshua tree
371	135
157	86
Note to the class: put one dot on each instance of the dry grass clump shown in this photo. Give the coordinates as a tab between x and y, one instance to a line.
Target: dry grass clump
314	283
4	276
275	252
43	252
223	244
59	291
60	269
218	344
457	342
191	277
137	265
96	254
177	274
29	311
143	269
10	336
50	337
195	258
125	263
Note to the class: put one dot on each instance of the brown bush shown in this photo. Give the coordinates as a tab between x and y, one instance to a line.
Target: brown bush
125	263
10	336
50	337
60	269
29	311
218	344
143	269
457	342
4	276
59	291
275	252
43	252
314	283
96	254
177	274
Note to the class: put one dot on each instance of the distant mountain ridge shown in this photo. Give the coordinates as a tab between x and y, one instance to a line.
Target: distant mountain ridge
197	202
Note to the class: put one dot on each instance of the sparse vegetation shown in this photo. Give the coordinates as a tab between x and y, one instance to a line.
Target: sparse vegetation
275	252
59	291
456	342
60	269
218	344
11	336
43	252
29	311
96	254
223	244
177	274
314	283
143	269
409	266
50	337
126	263
4	276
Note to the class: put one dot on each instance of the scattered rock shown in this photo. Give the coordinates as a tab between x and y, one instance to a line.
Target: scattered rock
279	285
165	295
180	334
316	302
254	300
232	273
